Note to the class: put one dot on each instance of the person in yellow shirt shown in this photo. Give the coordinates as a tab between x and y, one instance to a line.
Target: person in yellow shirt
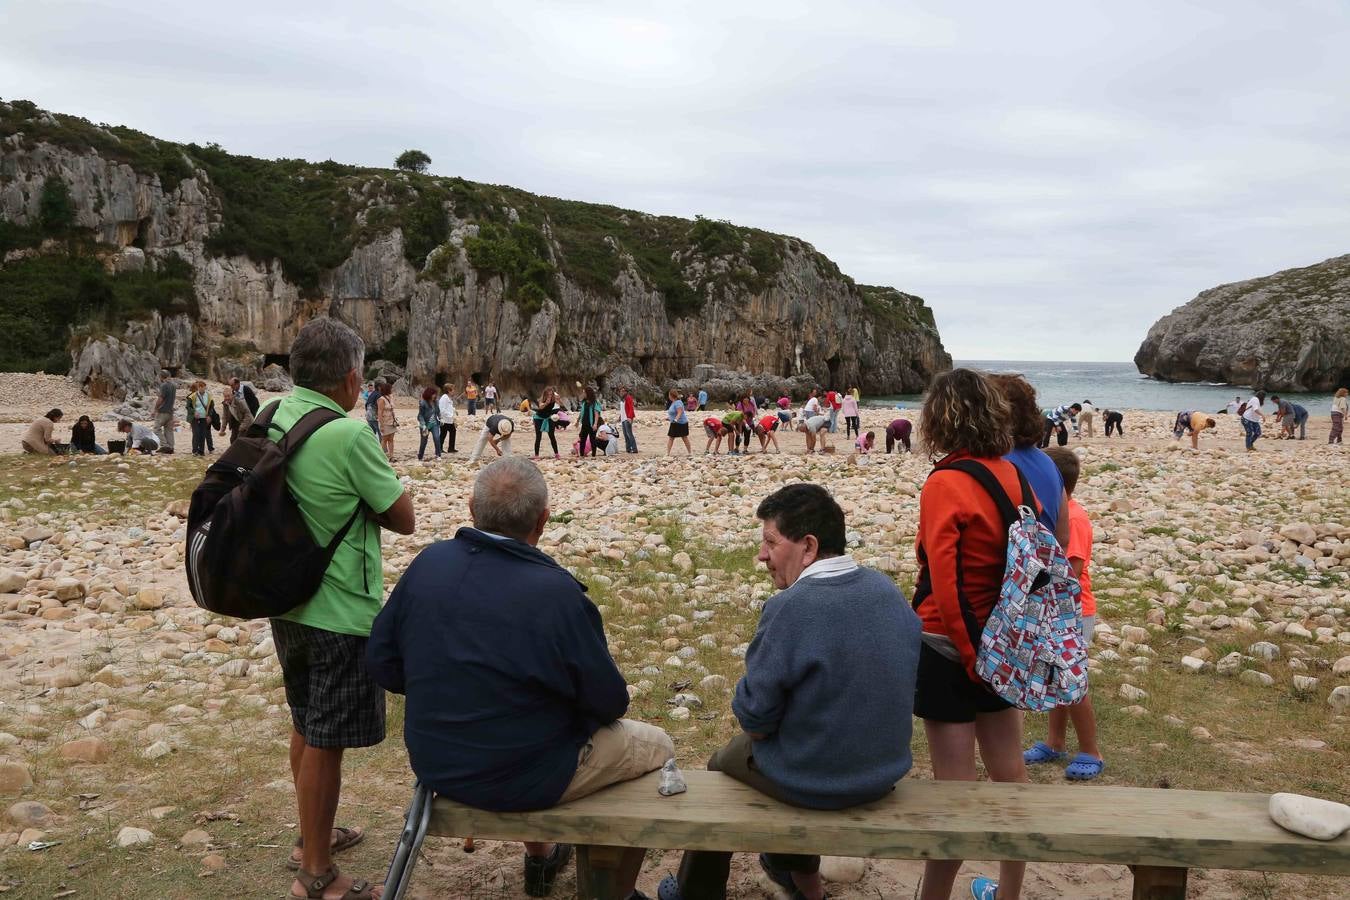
1194	422
471	395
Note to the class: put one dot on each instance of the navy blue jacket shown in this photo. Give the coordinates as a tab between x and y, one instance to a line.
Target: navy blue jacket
504	663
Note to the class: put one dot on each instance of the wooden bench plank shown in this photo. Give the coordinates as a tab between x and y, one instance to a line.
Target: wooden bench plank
929	820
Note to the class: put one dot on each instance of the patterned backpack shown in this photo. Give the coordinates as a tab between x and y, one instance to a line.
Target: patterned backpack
1031	652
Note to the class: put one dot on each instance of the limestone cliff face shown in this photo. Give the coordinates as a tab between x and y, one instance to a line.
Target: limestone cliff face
1289	331
460	321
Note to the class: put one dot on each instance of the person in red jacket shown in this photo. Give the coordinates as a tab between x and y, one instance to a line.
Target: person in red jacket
961	550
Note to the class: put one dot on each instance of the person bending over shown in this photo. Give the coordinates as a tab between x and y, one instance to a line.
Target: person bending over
496	432
816	429
513	700
827	697
898	433
1193	422
766	429
40	436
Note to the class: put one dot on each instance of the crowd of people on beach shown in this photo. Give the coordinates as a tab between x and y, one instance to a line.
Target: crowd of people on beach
238	405
540	710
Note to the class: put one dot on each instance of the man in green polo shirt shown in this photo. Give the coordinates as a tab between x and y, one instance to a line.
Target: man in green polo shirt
321	643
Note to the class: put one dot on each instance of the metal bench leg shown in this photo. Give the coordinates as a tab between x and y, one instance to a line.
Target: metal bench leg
1159	883
415	825
597	872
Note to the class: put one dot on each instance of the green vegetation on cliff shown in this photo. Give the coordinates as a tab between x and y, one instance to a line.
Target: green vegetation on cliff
309	217
45	294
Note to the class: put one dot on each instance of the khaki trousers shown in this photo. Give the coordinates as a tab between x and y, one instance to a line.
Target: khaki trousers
620	751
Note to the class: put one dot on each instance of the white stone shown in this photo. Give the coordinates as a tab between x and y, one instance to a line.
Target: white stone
156	750
1260	679
1341	666
843	869
1132	693
133	837
1305	684
1191	664
1340	698
1323	820
1266	650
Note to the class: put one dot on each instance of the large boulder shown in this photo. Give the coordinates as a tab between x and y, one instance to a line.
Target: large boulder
168	339
108	369
1287	332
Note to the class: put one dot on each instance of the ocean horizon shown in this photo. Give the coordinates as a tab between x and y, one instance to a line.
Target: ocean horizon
1114	385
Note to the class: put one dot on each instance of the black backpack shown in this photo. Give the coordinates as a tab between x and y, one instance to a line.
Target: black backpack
249	552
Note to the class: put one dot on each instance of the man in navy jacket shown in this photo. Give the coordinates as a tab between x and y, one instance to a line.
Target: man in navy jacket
513	700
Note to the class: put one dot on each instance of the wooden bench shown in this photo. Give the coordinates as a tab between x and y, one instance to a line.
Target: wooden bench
1159	834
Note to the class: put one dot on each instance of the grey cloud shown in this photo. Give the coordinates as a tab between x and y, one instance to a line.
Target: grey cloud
1083	162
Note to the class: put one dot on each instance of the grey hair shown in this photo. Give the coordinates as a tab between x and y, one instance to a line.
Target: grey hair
324	352
509	496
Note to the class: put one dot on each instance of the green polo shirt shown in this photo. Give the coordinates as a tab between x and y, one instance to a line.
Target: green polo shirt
340	466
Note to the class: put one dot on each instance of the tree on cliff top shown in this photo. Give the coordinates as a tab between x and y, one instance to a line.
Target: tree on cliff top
413	161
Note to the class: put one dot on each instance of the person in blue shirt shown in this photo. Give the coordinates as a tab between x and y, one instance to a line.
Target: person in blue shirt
1040	470
826	702
1290	416
702	399
513	700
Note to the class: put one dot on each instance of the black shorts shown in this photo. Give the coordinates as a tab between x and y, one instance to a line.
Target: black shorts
334	702
678	430
945	693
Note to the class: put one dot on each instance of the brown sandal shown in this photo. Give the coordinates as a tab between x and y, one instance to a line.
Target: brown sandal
315	885
346	839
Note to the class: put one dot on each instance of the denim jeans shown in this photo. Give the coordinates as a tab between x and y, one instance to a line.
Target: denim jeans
432	432
629	439
834	420
1253	430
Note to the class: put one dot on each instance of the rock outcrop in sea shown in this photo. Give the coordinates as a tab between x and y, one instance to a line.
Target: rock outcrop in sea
448	278
1288	332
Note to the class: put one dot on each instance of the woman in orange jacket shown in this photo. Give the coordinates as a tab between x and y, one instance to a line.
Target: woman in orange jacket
961	548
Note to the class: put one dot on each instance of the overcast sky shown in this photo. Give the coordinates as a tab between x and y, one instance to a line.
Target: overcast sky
1051	176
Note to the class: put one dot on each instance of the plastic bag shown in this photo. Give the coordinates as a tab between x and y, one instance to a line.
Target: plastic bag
672	780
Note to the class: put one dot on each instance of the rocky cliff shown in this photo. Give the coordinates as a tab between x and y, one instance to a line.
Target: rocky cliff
1289	331
455	278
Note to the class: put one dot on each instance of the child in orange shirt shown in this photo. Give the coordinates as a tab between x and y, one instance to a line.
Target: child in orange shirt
1088	763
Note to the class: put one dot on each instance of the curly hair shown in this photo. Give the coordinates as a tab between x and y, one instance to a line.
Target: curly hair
1025	417
964	411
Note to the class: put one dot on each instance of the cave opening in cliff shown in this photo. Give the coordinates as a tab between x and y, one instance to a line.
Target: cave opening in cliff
440	378
142	233
833	365
280	359
480	377
645	364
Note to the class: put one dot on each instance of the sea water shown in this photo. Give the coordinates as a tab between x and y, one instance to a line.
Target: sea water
1115	386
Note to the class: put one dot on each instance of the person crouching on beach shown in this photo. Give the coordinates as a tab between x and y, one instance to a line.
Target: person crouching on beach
961	548
1194	423
865	442
1088	764
1114	421
715	430
766	429
816	429
898	433
826	700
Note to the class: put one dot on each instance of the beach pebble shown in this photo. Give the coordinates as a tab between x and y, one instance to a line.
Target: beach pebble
133	837
1339	698
843	869
1311	817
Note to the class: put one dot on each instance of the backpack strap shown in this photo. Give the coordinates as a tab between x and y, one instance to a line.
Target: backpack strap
994	488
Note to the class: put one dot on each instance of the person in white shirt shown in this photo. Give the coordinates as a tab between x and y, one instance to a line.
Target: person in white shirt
812	407
445	411
607	439
1252	417
490	397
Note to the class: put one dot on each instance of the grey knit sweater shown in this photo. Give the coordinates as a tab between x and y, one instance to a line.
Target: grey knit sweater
829	679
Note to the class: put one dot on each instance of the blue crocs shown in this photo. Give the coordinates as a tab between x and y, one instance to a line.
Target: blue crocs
1041	752
984	889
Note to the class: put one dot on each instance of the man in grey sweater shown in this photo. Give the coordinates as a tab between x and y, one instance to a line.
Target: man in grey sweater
828	691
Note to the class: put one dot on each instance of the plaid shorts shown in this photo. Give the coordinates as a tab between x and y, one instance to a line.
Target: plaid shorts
334	701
